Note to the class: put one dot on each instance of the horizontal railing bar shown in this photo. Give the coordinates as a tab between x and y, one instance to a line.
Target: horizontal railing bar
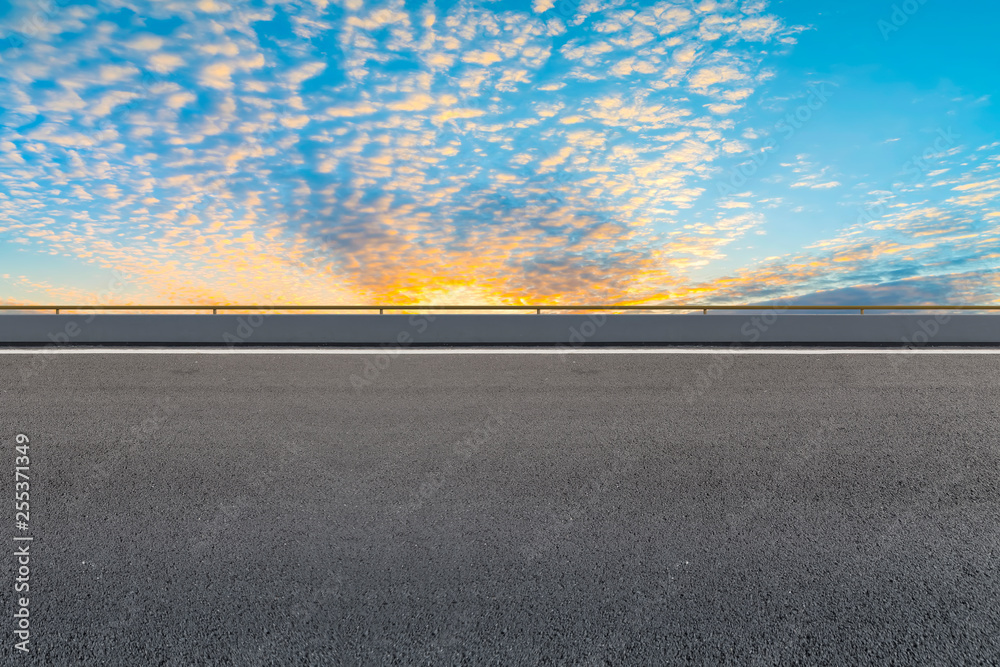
534	307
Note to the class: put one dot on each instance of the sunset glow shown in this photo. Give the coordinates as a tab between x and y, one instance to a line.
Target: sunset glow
489	152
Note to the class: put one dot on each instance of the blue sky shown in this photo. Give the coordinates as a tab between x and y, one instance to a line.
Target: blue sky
499	152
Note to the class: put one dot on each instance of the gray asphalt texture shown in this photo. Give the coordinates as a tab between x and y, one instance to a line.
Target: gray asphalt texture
521	509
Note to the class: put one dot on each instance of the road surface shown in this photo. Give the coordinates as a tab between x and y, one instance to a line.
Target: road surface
586	509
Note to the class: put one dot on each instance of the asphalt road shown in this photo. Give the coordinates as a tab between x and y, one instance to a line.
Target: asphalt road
519	509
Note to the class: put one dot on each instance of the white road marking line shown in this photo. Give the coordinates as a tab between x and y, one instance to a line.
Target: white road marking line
392	351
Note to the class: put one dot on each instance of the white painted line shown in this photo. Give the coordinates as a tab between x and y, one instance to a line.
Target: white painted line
498	351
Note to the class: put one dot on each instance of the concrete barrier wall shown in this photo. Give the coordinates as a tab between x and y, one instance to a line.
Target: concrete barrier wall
765	327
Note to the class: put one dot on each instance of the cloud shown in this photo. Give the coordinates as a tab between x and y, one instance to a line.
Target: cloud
481	57
452	114
217	75
116	73
723	109
707	77
758	28
164	63
418	102
181	99
145	42
295	76
362	109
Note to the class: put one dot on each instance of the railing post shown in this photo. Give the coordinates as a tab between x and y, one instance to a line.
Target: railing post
538	311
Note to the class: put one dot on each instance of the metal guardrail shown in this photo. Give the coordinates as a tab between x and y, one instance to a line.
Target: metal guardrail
538	308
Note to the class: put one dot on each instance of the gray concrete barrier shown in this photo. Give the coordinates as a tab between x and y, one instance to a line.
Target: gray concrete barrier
763	327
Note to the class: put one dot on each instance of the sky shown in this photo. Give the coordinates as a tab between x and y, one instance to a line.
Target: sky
494	152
